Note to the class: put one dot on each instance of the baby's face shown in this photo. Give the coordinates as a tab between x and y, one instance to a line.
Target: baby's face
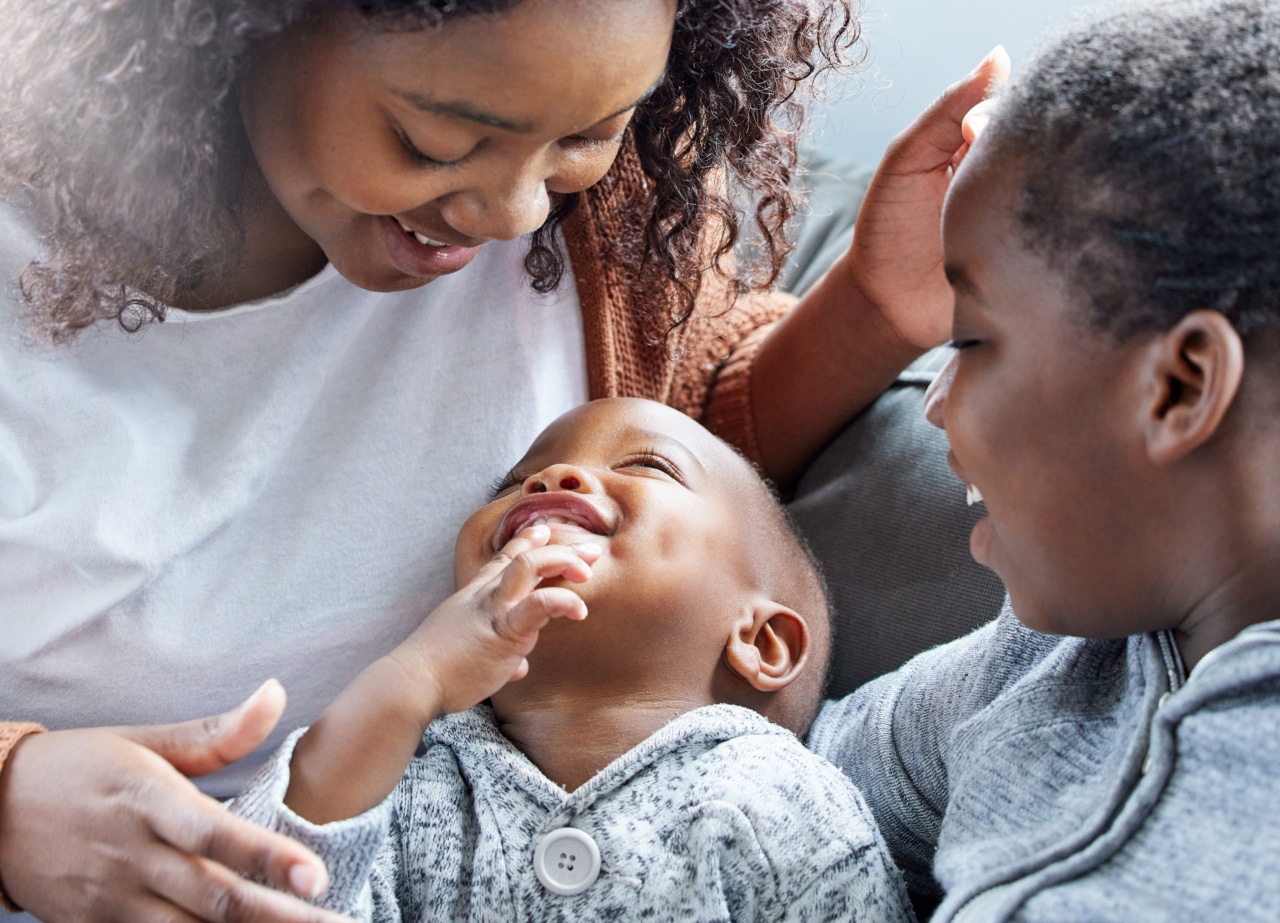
672	508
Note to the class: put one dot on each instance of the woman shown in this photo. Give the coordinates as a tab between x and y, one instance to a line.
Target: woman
262	484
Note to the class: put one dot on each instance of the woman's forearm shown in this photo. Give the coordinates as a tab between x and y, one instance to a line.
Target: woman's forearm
819	367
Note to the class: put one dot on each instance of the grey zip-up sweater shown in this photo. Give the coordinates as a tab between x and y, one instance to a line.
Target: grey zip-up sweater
1033	777
718	816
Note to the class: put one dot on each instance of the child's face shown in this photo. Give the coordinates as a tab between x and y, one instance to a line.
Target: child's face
1040	415
676	513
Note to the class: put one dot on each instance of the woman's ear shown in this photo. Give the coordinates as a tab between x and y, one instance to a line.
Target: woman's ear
1196	370
768	646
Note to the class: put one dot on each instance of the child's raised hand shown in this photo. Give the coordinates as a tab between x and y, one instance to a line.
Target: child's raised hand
468	648
477	640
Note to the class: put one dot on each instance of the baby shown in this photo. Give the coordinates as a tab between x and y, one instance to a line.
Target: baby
1107	749
636	770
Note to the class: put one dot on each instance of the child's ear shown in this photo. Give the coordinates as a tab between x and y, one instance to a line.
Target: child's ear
1197	367
768	646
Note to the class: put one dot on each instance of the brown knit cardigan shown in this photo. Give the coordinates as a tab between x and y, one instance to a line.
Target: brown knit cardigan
702	369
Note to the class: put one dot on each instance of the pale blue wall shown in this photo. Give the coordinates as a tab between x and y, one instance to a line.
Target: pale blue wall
918	47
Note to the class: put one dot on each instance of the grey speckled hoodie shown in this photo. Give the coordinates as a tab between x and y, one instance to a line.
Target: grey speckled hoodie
1021	776
718	816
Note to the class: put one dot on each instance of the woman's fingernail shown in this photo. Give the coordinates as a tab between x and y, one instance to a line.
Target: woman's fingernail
304	880
589	549
991	56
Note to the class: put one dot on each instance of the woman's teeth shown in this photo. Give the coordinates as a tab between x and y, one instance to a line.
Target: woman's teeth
420	238
972	495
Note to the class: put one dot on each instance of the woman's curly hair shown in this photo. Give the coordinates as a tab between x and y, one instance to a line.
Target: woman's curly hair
122	138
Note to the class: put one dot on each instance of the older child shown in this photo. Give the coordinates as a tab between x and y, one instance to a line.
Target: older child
633	773
1112	240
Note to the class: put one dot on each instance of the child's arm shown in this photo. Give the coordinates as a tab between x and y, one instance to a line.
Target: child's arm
464	651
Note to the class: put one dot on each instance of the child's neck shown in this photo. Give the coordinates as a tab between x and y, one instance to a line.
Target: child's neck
1247	595
570	735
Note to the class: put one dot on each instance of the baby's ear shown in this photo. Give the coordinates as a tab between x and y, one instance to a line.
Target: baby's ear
768	646
1196	370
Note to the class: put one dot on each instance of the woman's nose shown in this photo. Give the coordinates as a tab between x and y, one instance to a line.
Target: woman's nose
935	399
561	477
501	209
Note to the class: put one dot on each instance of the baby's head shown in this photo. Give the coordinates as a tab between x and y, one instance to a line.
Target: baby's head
1113	241
703	593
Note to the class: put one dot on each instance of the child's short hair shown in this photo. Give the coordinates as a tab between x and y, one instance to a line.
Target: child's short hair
1151	144
797	706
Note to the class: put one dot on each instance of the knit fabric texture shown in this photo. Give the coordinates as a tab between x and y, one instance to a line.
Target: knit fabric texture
1022	776
718	816
702	366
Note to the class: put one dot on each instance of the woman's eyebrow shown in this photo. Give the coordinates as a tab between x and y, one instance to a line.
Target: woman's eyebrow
460	109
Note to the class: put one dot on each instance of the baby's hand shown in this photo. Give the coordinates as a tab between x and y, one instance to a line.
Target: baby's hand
476	641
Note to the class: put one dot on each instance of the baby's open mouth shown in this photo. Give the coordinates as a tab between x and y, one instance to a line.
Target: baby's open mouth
560	509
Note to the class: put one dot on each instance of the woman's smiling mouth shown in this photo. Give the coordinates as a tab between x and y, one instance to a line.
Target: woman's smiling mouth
562	510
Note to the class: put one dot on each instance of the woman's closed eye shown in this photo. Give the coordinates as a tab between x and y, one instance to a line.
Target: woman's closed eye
426	160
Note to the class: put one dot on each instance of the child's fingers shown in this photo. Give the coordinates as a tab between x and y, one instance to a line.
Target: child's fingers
532	537
521	670
523	575
541	606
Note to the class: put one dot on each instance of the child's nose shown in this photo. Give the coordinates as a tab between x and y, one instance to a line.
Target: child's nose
935	399
560	477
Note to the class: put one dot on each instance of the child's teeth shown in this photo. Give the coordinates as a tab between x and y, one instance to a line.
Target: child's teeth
972	495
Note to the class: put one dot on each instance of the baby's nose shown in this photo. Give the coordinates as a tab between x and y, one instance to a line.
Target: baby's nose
558	477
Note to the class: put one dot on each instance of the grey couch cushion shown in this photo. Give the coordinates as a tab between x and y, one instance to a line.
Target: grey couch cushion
880	507
886	517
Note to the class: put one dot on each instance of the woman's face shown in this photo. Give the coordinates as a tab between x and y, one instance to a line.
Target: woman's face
400	153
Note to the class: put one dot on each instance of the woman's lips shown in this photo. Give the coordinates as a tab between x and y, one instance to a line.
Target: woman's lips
413	257
557	508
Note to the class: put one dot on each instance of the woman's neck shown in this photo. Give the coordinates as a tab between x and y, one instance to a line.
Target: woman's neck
276	255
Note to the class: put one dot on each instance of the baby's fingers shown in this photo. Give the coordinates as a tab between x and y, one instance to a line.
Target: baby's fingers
528	539
528	617
528	569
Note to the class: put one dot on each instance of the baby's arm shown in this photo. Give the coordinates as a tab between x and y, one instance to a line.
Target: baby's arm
465	650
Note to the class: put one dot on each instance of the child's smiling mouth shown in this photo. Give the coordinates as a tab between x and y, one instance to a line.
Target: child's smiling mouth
562	510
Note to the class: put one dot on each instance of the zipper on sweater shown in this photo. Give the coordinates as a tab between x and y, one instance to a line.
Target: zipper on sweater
1172	660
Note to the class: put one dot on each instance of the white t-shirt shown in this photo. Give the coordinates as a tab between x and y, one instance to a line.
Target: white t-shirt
268	490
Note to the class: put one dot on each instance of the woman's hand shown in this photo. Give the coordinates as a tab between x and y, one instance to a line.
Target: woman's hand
468	648
895	262
104	825
883	303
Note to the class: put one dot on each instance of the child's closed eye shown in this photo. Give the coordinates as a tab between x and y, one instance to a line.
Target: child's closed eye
656	462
